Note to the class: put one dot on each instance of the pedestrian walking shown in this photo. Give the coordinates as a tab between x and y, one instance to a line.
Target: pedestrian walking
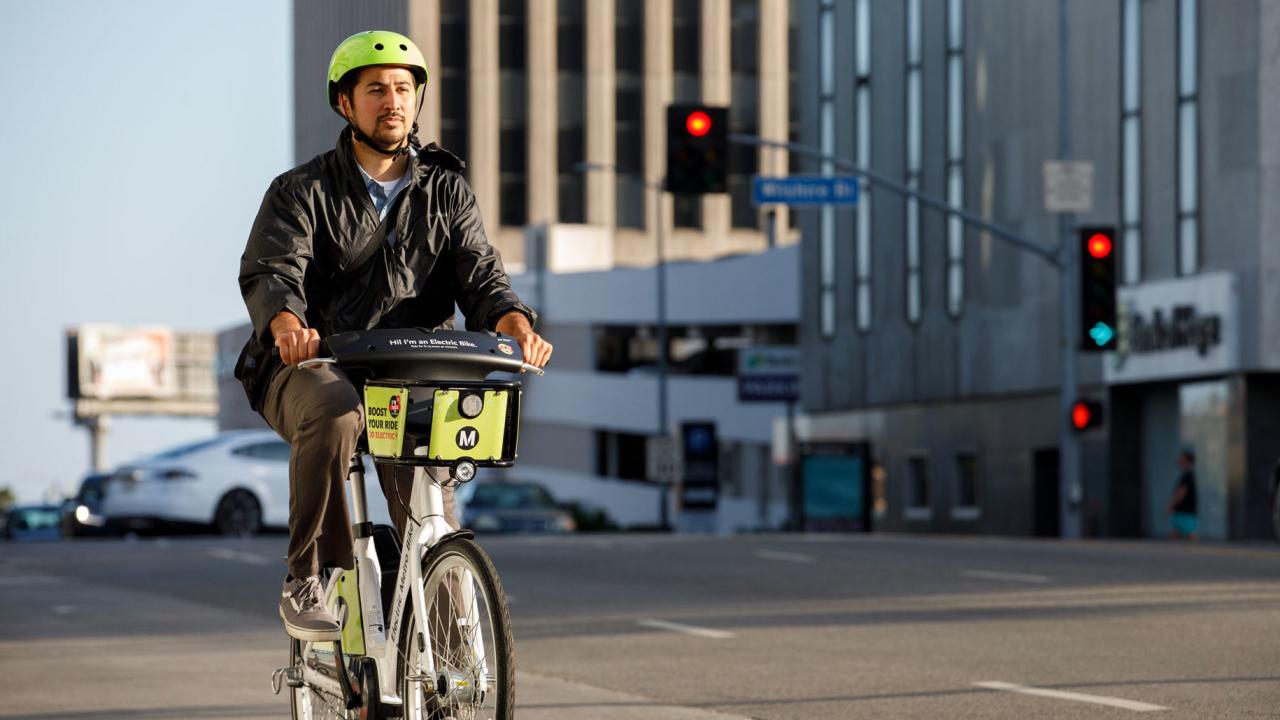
1181	509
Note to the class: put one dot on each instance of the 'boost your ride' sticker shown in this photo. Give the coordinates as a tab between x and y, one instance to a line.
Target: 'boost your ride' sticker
384	419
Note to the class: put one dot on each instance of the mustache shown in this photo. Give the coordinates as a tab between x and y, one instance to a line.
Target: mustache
388	116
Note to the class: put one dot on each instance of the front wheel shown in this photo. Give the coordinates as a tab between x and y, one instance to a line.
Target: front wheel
468	636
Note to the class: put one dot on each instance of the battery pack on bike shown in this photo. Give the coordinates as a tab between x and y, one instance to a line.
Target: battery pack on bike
429	398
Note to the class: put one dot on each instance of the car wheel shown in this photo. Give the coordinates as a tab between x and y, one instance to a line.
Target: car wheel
238	514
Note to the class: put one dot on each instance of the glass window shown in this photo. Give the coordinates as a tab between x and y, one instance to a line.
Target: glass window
452	76
686	16
1188	139
512	114
629	112
914	143
955	155
917	483
744	109
862	113
966	480
571	93
1131	142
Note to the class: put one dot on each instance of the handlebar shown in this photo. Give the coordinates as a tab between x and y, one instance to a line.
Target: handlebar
317	362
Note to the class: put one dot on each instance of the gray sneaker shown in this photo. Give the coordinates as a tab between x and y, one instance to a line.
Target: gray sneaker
303	611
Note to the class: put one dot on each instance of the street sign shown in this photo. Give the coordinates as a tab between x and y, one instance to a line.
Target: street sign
769	374
805	190
1068	186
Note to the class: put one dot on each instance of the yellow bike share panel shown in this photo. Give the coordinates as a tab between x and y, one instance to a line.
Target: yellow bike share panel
455	436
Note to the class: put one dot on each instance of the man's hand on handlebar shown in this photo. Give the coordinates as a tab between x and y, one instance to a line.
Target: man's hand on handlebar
533	347
294	341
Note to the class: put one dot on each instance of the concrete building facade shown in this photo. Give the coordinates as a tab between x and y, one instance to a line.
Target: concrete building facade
932	350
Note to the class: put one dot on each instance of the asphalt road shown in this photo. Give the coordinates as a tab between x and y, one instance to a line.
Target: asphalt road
691	628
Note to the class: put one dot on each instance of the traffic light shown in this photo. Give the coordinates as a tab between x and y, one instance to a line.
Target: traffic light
697	149
1086	415
1097	289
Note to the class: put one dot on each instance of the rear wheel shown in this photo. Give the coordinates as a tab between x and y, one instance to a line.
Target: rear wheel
238	514
469	640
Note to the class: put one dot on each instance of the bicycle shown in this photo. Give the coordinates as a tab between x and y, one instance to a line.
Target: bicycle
445	650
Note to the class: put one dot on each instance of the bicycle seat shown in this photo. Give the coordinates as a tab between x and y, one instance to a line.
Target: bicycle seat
416	355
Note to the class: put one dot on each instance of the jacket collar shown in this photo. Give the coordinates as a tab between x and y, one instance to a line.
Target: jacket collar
429	155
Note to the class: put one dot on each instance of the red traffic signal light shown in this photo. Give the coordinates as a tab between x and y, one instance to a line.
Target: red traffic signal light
697	149
1086	414
698	123
1099	245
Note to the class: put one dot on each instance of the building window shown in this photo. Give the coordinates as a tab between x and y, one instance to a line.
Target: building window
744	113
955	155
621	455
862	115
915	141
629	112
686	62
452	76
571	103
827	141
917	505
965	499
1188	139
1131	141
512	116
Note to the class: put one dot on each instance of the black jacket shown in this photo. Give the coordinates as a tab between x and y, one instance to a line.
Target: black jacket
304	250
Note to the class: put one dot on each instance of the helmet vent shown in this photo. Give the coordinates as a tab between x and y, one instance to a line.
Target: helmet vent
402	47
378	46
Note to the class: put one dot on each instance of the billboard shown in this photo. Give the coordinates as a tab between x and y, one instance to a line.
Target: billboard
150	370
110	362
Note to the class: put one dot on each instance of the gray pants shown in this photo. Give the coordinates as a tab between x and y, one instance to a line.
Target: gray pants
319	412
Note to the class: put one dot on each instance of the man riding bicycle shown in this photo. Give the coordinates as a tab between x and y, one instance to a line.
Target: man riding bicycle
379	232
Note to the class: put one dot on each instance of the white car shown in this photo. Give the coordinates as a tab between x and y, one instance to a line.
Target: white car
238	481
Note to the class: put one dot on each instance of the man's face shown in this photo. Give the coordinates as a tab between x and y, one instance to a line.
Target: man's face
382	104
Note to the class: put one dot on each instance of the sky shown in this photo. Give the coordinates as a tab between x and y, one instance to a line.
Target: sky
137	140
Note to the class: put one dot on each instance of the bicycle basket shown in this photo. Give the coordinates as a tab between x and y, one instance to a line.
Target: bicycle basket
477	421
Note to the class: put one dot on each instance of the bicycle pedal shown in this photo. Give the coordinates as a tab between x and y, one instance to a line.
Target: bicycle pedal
290	676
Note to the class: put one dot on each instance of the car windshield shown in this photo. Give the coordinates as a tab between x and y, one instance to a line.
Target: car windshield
91	489
510	497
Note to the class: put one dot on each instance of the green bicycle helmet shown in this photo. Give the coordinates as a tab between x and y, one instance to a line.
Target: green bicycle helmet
375	47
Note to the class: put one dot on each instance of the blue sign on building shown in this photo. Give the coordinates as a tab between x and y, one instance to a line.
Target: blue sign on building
805	190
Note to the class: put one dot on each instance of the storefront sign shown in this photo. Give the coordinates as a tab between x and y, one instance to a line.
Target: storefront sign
1176	329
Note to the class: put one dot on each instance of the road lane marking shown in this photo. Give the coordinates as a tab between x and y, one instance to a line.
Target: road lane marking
784	556
239	556
1078	697
686	629
1015	577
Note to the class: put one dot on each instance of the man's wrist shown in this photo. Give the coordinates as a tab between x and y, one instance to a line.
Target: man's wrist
512	322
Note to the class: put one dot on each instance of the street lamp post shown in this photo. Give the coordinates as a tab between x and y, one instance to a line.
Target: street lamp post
660	270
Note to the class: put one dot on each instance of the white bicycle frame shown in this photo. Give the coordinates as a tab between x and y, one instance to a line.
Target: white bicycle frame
424	528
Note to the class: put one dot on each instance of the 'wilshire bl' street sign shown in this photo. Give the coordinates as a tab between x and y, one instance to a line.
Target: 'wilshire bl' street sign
805	190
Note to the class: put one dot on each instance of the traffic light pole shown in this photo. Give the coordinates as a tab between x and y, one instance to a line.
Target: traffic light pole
1061	258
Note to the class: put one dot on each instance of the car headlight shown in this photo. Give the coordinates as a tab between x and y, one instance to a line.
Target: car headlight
82	513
